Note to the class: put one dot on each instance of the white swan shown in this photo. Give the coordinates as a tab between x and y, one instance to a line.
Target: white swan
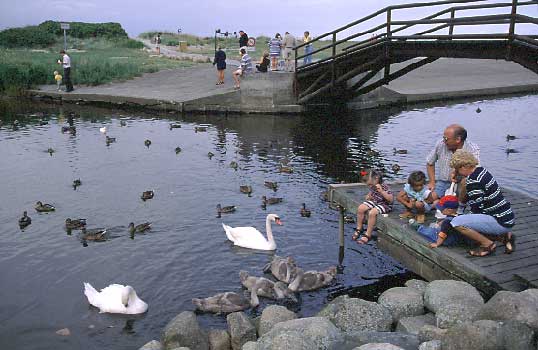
103	129
249	237
115	299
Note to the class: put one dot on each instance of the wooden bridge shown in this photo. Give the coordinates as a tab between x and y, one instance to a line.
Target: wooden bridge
352	66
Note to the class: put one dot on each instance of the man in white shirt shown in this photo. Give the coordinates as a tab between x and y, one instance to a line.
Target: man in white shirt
66	64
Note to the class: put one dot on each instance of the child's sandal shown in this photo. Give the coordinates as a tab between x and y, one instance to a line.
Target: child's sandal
356	234
364	239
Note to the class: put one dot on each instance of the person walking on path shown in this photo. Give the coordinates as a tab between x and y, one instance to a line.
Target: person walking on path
491	217
274	50
244	68
158	43
308	48
66	64
288	43
220	61
243	40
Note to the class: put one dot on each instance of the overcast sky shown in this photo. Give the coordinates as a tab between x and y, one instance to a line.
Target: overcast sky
202	17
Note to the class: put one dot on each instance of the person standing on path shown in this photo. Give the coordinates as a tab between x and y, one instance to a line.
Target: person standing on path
288	43
158	44
308	48
220	61
243	40
66	64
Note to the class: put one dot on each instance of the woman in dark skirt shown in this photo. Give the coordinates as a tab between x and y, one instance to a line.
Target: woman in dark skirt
220	61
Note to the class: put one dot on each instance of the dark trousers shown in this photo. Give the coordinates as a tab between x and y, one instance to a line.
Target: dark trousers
67	79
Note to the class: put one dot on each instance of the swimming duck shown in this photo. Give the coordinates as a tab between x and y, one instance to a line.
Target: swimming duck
225	210
271	200
246	189
175	126
399	151
200	128
210	155
42	208
103	130
312	280
178	150
283	269
147	195
123	123
234	165
15	125
147	143
139	228
285	169
50	151
478	110
76	183
510	137
96	234
395	168
510	150
74	224
110	140
115	299
25	220
271	185
305	213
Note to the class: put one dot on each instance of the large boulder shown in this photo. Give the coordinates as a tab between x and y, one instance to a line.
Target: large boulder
351	314
518	336
184	330
479	335
522	306
241	329
448	292
419	285
402	302
311	333
429	332
272	315
452	314
378	346
152	345
219	339
403	340
430	345
414	324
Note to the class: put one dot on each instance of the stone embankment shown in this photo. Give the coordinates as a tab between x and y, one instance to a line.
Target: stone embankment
440	315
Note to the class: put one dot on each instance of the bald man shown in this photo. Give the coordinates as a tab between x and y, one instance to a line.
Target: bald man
454	138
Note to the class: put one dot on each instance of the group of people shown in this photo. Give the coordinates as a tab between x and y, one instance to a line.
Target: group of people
460	181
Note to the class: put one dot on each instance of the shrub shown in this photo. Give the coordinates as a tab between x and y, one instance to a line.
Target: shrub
85	30
130	44
31	36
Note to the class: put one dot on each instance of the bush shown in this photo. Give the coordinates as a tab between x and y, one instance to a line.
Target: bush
31	36
85	30
130	44
171	43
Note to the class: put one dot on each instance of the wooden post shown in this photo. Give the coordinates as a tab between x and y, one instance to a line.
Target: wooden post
511	30
451	28
341	211
387	46
333	63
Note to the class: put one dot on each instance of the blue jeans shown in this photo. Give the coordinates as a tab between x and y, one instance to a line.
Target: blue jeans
482	223
441	187
307	51
430	233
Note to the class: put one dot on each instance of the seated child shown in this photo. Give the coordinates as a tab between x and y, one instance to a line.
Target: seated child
378	201
264	63
416	195
58	79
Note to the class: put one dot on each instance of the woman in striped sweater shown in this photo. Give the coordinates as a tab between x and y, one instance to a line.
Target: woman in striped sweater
491	215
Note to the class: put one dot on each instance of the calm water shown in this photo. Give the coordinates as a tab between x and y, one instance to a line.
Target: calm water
186	255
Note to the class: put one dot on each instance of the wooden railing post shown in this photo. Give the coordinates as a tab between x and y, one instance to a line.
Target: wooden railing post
387	46
333	64
511	30
451	28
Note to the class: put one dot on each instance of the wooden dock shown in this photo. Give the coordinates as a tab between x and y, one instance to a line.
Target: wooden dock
499	271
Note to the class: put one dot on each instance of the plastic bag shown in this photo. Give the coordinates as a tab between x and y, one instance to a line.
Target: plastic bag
451	191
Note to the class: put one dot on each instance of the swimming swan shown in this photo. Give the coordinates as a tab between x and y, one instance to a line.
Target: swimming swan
249	237
115	299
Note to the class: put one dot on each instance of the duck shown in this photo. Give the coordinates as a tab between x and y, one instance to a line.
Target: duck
285	169
175	126
15	125
210	155
226	210
399	151
234	165
96	234
178	150
75	224
43	208
115	299
50	150
510	150
147	143
76	183
139	228
103	130
69	129
25	220
265	287
250	237
478	110
224	302
305	213
200	128
510	137
110	140
272	185
283	269
395	167
312	280
246	189
123	123
271	200
147	195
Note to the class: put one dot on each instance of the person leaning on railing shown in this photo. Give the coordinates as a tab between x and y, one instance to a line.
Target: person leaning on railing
308	48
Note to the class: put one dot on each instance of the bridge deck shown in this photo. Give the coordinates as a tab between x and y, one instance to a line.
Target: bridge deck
490	274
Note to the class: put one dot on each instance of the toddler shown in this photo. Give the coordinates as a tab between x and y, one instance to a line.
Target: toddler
415	195
378	200
58	79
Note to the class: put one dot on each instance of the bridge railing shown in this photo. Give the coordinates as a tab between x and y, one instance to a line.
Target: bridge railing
391	27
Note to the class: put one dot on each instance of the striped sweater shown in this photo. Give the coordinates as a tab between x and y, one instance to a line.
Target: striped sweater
485	197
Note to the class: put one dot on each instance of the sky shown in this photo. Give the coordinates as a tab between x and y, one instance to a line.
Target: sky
202	17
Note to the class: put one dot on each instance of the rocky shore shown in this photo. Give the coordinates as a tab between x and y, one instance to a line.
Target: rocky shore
440	315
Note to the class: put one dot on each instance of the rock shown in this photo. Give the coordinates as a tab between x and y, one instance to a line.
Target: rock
403	340
479	335
417	284
518	336
184	330
414	324
272	315
241	329
446	292
219	339
351	314
181	348
256	322
152	345
249	346
378	346
452	314
430	345
402	302
303	333
64	332
429	332
522	306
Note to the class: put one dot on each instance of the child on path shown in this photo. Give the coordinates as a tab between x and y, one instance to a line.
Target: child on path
58	79
378	201
264	63
416	195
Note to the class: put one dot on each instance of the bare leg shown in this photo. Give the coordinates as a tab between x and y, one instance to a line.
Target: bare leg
236	75
372	218
361	211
